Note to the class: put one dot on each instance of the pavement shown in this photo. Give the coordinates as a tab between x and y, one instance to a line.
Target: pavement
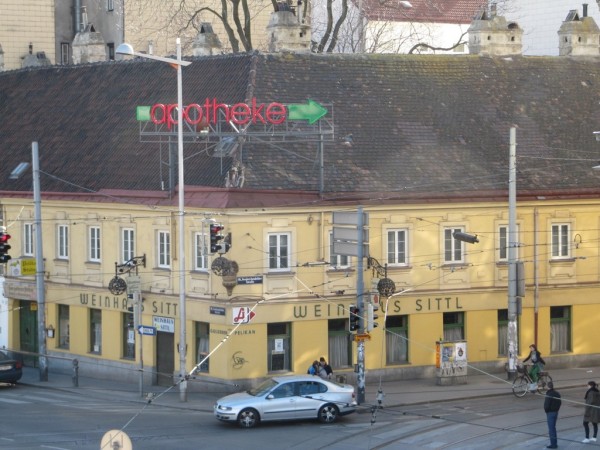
394	393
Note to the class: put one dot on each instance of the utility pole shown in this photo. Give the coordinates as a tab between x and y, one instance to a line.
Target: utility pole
512	336
360	348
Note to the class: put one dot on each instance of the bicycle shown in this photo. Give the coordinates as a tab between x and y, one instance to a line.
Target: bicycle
521	384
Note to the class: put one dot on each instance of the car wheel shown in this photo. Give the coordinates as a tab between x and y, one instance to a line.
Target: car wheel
248	418
328	413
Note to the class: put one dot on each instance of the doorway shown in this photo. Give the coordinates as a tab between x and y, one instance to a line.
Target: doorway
28	335
164	358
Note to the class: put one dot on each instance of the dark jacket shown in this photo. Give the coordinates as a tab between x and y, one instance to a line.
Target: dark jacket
552	401
592	406
536	357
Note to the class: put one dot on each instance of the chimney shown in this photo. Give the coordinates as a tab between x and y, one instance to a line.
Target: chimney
206	42
578	36
585	5
286	33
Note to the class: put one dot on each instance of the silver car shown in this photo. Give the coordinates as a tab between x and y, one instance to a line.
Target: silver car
288	398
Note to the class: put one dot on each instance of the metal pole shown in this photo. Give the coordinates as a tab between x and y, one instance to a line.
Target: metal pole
137	321
512	336
182	312
39	263
360	348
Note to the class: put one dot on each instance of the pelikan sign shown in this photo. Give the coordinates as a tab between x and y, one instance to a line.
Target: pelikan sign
209	112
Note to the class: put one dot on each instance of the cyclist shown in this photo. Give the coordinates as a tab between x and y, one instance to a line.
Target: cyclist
537	361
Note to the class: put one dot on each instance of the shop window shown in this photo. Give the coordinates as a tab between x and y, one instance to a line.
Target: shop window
164	249
63	326
202	346
28	239
62	242
279	252
340	345
397	247
560	241
396	339
503	332
94	243
127	244
96	331
279	346
454	329
200	252
560	329
337	261
453	248
128	336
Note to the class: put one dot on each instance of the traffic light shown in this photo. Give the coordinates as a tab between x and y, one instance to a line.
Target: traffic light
4	247
216	237
371	317
353	315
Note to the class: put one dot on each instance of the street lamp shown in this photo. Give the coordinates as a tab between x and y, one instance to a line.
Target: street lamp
126	49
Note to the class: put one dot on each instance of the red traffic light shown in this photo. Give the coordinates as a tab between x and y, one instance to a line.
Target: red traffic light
4	247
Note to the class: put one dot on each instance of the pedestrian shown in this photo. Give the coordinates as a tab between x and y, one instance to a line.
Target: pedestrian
537	361
314	368
552	404
326	368
592	411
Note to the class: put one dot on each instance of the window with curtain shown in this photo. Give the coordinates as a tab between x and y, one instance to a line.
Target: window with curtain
453	248
63	326
279	252
560	241
200	252
340	344
28	239
94	243
95	330
396	340
128	336
62	242
560	329
127	244
202	346
164	249
279	347
454	329
397	247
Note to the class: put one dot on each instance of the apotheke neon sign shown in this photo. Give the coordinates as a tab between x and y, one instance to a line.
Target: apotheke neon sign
210	112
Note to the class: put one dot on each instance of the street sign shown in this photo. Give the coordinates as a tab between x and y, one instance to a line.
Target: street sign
348	248
146	330
349	218
362	337
134	284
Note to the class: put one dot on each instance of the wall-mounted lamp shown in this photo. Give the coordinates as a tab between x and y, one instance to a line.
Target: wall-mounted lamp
464	237
50	331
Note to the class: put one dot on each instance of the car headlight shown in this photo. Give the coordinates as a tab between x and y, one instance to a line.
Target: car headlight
224	408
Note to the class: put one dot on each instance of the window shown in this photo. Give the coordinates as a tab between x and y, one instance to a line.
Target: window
396	339
504	243
503	332
337	261
279	251
63	326
560	329
396	247
111	51
95	330
62	246
94	244
28	239
454	329
340	345
202	346
278	347
560	241
127	244
201	252
453	248
164	249
65	53
128	335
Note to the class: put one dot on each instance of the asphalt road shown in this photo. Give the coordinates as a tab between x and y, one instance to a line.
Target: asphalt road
34	418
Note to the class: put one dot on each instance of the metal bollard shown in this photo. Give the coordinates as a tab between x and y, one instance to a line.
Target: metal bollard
75	373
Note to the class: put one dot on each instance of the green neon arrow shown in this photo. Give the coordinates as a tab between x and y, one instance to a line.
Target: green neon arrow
311	111
142	113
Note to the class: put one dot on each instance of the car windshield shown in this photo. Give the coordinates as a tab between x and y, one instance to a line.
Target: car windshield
263	388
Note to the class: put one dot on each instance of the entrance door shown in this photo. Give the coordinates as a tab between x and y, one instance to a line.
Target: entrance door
164	358
28	336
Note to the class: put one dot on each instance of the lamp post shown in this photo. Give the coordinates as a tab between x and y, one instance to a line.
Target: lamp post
126	49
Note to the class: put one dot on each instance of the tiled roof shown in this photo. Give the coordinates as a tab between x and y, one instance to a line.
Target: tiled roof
427	11
423	126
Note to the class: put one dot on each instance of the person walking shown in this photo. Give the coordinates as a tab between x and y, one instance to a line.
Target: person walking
552	404
592	411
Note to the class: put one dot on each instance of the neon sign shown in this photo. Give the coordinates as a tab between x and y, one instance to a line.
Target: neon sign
239	113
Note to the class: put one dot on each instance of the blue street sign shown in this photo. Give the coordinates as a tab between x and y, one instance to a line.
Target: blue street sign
146	330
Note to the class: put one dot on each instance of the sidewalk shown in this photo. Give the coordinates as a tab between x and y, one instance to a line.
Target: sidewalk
395	393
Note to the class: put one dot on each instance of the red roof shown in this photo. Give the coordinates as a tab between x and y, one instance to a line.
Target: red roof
435	11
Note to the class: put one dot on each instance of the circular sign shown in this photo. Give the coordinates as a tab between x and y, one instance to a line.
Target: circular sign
115	440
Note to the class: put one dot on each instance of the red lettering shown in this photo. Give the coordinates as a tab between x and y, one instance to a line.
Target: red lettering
276	113
239	114
257	113
192	114
153	114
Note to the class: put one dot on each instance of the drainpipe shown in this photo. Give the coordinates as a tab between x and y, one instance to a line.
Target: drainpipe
536	283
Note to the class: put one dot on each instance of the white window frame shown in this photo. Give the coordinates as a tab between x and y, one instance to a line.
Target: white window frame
163	249
503	243
28	239
337	261
560	241
94	243
201	252
127	244
62	241
274	244
393	250
452	245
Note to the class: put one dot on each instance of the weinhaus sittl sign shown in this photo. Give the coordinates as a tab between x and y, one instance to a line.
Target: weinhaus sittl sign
253	112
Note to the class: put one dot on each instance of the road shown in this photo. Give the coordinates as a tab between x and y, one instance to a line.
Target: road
35	418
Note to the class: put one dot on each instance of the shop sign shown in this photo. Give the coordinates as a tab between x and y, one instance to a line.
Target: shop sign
164	324
258	279
242	315
20	290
